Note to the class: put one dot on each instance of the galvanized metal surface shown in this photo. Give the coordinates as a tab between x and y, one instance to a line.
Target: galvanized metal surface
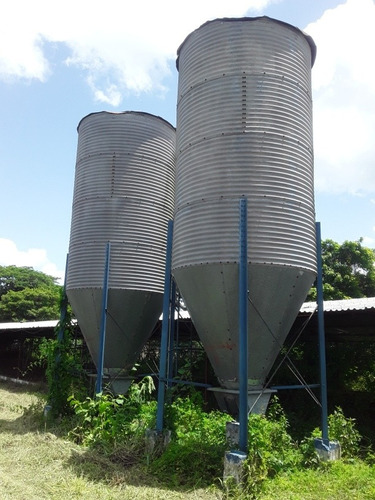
244	129
123	193
275	293
132	315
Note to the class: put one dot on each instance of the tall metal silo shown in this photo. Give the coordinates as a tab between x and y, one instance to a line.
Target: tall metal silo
124	194
244	129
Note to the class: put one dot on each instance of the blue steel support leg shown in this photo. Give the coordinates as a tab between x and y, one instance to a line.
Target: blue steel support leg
164	331
243	313
322	347
103	321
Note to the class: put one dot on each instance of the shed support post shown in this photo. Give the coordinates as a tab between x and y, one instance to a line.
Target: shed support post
321	331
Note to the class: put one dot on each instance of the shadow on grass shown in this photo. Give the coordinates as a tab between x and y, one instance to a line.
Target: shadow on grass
20	386
97	467
30	421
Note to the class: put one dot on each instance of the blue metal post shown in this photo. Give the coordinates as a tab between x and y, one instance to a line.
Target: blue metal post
243	313
103	320
322	346
164	330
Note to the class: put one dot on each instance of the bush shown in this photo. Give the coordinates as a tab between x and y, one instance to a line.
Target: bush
270	448
107	421
195	455
341	429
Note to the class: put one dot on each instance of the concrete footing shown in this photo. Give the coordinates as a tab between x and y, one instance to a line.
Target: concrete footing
327	451
232	433
156	441
234	462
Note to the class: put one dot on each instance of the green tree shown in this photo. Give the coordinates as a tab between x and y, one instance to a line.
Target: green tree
348	271
27	295
18	278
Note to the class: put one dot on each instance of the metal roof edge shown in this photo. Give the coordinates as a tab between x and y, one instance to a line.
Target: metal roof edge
24	325
360	304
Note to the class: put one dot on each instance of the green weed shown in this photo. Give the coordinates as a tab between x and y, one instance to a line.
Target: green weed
107	421
341	429
195	454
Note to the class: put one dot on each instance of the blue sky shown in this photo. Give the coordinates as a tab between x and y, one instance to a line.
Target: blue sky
60	61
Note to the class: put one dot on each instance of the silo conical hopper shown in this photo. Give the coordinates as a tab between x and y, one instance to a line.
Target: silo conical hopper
123	193
244	129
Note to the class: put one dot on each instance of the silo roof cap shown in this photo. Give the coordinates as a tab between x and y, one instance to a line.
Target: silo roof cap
308	38
125	113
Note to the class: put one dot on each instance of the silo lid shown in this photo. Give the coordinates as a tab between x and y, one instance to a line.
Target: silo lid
308	38
144	113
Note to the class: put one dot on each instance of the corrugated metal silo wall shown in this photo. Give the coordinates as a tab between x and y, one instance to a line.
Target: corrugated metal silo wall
123	193
244	128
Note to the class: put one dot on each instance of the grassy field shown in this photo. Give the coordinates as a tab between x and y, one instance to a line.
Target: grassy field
36	463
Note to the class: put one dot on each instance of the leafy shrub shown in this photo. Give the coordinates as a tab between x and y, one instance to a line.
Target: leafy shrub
270	448
109	420
341	429
62	362
195	455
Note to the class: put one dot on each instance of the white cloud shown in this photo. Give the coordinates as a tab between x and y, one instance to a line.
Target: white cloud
122	46
22	56
36	258
344	98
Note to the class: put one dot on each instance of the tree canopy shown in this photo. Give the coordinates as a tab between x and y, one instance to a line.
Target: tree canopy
348	271
27	295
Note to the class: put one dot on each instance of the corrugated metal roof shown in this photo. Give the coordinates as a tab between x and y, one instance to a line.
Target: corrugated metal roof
341	305
24	325
307	307
28	324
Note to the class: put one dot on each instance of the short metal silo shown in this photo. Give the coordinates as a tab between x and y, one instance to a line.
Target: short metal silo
123	194
244	129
